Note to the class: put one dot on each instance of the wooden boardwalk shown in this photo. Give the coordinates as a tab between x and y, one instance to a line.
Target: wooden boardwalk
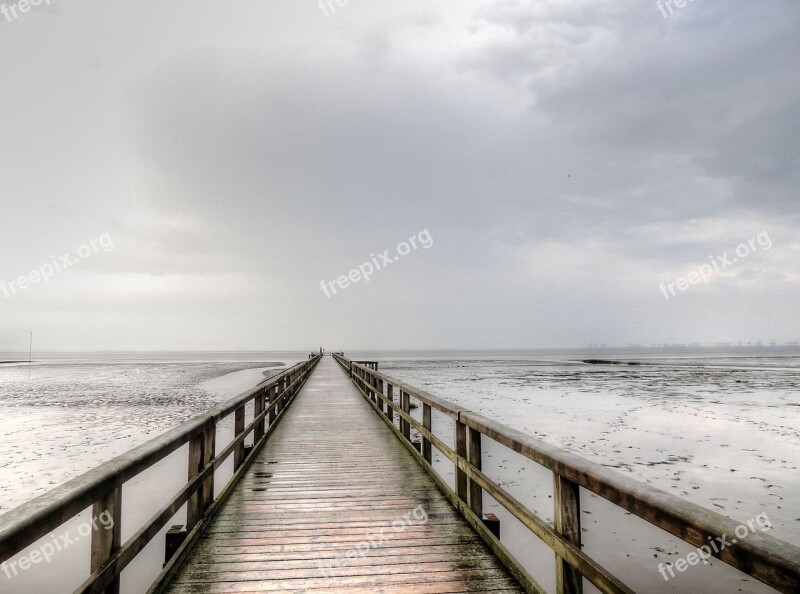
335	503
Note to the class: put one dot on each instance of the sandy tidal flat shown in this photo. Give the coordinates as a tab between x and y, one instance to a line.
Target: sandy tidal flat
722	433
68	418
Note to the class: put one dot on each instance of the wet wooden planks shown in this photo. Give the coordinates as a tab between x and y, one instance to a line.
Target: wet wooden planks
334	503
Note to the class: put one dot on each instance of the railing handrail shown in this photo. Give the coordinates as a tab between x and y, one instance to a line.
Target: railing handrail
25	524
445	406
669	512
225	408
760	555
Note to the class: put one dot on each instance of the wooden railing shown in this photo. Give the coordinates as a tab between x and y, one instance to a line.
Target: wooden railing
102	488
772	561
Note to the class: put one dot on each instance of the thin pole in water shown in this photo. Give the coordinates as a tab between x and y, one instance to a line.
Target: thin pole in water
30	356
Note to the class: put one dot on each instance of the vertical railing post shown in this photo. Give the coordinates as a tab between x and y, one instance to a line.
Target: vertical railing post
390	398
426	422
474	457
106	539
381	403
194	507
270	405
405	405
461	451
208	455
567	522
238	427
258	408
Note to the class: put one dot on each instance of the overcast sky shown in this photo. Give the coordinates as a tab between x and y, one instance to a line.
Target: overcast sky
565	156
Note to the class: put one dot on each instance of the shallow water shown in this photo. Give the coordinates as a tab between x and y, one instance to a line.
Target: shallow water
69	417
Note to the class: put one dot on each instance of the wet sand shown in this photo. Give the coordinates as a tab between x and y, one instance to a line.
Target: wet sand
724	435
68	419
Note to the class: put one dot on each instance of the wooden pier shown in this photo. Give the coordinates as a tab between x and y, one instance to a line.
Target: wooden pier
334	503
332	492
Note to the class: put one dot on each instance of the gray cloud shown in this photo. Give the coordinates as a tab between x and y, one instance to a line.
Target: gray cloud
566	157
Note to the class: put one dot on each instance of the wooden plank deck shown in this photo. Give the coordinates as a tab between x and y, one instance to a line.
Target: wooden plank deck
335	503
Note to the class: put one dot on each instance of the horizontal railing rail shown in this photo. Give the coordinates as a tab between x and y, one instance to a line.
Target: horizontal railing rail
768	559
101	488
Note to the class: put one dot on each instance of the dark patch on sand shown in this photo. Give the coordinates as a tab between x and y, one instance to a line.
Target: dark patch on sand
609	362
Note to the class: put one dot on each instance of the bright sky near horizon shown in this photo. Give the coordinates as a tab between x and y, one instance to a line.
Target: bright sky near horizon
586	171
